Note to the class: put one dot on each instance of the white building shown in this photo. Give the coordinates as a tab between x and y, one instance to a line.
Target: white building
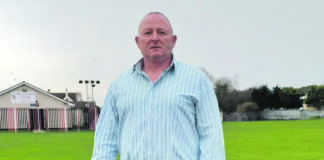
25	95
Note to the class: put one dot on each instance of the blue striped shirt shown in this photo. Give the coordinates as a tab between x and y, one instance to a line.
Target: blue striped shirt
175	118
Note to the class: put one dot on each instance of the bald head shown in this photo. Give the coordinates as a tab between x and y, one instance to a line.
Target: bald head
155	13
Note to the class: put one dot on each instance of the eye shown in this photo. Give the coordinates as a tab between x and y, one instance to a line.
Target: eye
161	32
147	32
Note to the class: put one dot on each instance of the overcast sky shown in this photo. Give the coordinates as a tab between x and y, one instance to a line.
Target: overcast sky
53	44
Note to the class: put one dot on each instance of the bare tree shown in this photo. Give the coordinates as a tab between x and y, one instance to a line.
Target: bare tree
209	75
224	91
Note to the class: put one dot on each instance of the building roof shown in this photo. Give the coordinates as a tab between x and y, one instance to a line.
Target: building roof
60	95
85	104
23	83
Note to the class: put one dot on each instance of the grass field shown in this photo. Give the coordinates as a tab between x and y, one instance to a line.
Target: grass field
46	146
259	140
274	140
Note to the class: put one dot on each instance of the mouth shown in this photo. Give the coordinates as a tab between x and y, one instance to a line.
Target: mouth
154	47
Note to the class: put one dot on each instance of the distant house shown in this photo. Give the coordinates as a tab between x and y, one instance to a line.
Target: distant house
26	95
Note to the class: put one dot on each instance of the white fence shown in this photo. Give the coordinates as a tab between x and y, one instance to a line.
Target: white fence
272	115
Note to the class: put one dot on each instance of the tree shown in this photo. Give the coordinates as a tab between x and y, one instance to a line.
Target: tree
223	90
290	98
315	96
208	74
231	101
262	97
244	96
275	98
305	89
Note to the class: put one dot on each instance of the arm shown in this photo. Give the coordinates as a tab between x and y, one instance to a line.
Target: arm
209	124
106	140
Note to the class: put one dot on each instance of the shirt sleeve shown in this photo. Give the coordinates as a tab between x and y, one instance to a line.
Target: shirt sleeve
209	124
106	134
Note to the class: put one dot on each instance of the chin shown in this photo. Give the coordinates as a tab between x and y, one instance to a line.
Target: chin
156	55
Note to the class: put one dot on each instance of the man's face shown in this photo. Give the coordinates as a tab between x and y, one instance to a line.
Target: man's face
155	38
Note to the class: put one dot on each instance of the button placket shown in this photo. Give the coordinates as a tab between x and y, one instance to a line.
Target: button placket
148	117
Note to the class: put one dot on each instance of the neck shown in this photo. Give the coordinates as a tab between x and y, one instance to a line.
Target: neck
154	68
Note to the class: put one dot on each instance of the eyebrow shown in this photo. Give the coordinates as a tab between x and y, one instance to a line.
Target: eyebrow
159	29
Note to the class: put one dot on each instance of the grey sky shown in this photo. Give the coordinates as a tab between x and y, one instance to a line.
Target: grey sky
53	44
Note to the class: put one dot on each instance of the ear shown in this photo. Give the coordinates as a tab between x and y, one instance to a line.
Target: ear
137	40
174	39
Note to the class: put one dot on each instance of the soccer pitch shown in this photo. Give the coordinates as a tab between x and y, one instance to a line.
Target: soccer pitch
258	140
274	140
46	146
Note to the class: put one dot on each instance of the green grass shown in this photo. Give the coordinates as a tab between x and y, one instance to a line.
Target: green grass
275	140
259	140
46	146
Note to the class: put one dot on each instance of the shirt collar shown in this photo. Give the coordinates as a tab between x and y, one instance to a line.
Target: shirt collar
137	67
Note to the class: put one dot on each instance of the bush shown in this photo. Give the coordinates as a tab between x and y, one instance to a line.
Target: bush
315	117
247	107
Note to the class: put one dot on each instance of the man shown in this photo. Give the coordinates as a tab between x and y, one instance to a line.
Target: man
161	109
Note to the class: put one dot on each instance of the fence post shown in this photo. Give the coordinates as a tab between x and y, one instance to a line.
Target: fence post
28	120
78	121
38	118
47	119
15	118
65	120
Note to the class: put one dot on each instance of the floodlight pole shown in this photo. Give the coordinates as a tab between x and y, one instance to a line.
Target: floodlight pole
93	84
86	82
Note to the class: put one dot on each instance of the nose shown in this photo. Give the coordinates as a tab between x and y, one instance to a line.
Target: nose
155	37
